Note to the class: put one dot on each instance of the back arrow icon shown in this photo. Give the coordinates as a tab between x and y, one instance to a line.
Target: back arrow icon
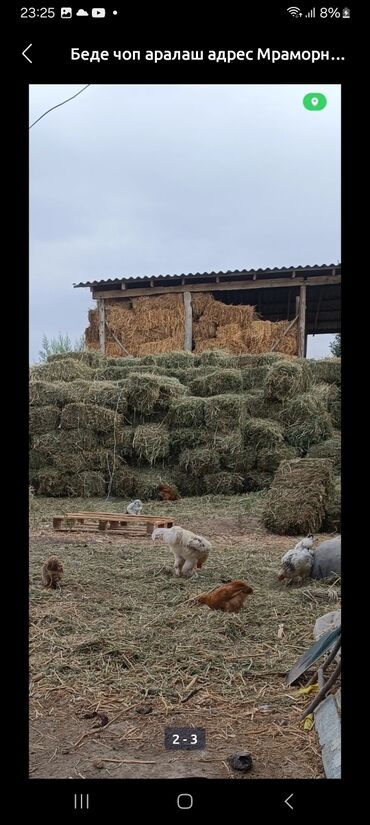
26	50
287	801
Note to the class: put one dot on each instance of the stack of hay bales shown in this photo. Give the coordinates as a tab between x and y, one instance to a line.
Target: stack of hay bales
156	324
125	425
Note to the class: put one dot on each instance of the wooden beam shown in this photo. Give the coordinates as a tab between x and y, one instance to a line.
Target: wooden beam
227	286
123	285
302	322
101	314
188	337
318	308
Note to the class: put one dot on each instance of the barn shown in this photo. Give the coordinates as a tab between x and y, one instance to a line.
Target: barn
240	311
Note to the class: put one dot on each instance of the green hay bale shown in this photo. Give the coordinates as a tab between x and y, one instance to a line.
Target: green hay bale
187	412
99	460
67	441
307	422
107	394
123	482
217	358
128	361
256	480
269	459
217	383
224	412
255	405
151	443
50	482
45	393
331	448
298	498
285	379
91	359
261	433
42	419
121	438
199	462
232	452
174	360
333	515
148	481
189	485
37	459
112	373
66	369
90	485
183	438
90	417
327	370
226	484
253	376
330	395
148	393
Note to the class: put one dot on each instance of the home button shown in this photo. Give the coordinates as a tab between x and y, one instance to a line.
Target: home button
184	801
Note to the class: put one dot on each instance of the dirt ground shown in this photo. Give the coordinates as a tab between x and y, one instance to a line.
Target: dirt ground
119	653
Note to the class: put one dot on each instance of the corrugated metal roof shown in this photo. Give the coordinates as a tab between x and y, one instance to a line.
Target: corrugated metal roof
275	271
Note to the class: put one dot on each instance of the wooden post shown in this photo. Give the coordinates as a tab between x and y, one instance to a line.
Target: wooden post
101	313
302	321
188	338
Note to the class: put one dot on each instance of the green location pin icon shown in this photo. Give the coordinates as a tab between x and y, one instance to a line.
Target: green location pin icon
314	101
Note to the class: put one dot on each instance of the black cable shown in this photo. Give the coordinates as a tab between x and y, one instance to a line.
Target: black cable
59	104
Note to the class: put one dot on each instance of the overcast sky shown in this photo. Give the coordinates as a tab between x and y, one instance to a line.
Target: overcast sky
146	180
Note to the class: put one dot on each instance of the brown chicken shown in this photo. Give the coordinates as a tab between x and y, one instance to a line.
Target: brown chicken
167	493
52	572
229	598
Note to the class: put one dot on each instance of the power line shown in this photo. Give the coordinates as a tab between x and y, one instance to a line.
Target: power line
59	104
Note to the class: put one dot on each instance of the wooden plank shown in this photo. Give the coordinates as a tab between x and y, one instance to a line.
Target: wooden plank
101	314
227	286
302	322
188	310
57	522
116	517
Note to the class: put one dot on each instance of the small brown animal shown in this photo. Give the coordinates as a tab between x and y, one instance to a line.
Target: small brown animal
52	572
229	598
167	493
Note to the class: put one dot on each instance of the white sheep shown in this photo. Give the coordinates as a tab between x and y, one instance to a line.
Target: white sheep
135	507
189	549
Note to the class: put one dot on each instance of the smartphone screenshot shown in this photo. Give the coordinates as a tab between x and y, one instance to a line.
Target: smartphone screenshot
182	200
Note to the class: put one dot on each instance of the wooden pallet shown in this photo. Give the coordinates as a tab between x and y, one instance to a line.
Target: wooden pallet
122	523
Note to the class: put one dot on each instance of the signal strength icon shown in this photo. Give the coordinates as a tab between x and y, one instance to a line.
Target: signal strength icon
311	13
294	11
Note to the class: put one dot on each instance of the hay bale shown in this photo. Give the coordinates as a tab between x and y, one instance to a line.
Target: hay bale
124	482
176	360
226	484
183	438
66	369
89	485
253	376
121	439
111	373
107	394
51	483
333	514
285	379
67	441
148	393
224	412
187	412
37	459
269	459
42	419
89	417
218	382
217	358
298	498
261	433
151	442
147	483
46	393
330	396
199	462
256	480
232	452
307	422
100	460
188	485
331	448
327	370
90	358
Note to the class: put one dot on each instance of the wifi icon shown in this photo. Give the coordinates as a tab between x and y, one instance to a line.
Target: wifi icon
294	11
